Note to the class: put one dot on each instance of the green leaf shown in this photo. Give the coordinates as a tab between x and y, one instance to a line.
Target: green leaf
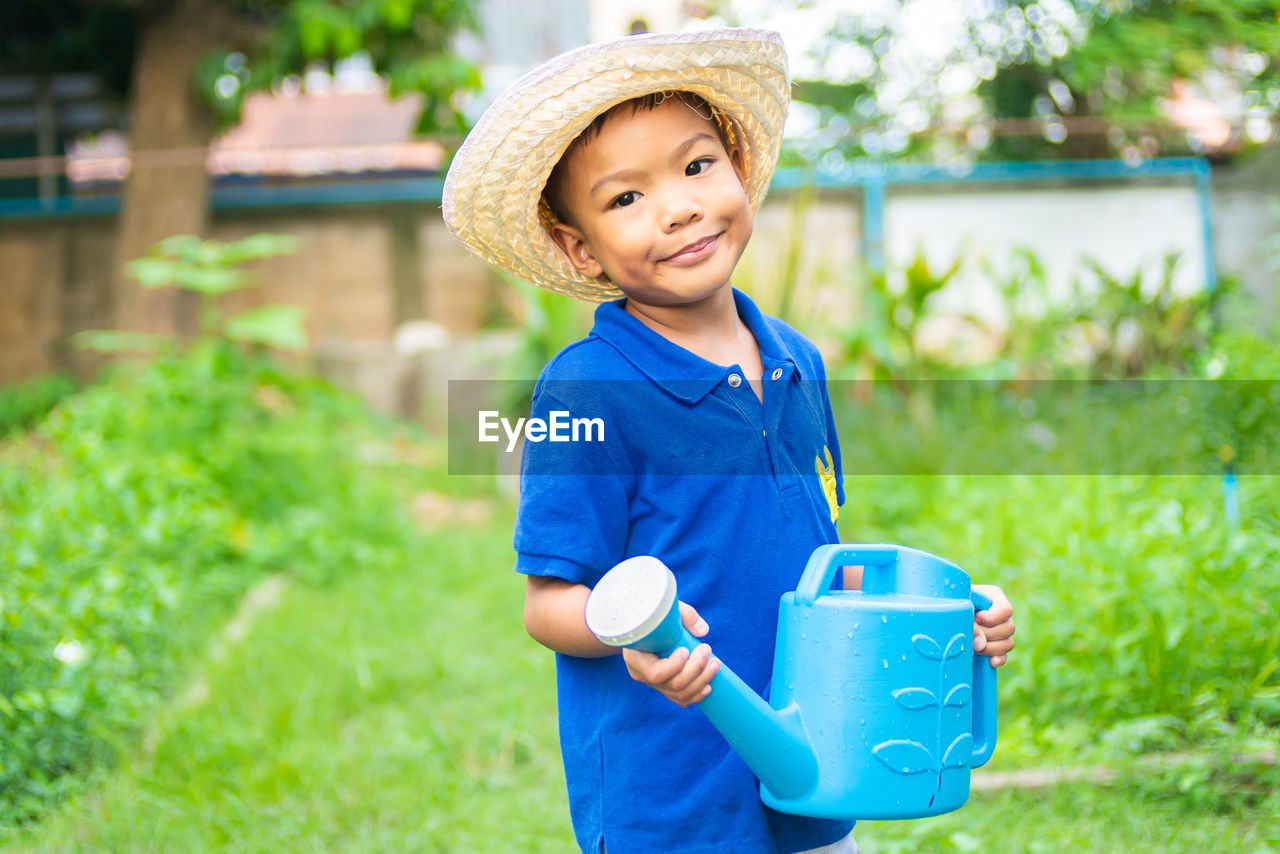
183	246
153	272
65	705
257	246
346	40
110	341
398	14
313	33
278	326
211	281
966	843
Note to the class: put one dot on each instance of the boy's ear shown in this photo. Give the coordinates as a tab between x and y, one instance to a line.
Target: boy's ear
739	164
573	243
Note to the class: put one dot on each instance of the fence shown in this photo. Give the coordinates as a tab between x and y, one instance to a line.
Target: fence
375	254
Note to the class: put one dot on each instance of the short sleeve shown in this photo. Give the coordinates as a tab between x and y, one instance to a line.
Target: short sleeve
572	517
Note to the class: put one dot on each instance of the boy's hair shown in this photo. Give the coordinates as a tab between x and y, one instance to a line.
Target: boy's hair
552	207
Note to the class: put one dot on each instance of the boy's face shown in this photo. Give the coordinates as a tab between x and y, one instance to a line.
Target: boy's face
661	206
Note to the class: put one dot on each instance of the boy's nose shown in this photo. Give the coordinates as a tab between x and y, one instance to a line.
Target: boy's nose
681	209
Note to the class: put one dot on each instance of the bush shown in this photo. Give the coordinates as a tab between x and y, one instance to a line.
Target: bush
134	517
1141	610
1106	327
23	404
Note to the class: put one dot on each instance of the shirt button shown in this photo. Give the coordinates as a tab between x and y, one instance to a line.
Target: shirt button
734	380
777	373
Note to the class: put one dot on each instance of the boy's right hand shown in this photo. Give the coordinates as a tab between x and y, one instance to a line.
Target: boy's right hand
682	677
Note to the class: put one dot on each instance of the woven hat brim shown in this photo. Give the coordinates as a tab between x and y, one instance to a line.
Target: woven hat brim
493	186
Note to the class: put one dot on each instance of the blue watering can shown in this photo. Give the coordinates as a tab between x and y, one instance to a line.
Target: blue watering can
878	706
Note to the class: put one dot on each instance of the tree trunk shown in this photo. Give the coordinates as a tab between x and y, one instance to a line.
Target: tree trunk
168	189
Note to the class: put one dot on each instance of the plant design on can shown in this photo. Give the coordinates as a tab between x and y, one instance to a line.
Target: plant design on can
905	756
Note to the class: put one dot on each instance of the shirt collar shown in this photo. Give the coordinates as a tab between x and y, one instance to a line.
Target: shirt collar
681	373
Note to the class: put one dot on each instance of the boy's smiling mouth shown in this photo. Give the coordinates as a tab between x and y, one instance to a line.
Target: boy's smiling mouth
693	252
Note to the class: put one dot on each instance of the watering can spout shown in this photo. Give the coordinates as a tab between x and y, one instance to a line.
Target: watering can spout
635	605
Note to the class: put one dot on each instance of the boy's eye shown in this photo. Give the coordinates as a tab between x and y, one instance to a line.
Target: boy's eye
627	198
697	167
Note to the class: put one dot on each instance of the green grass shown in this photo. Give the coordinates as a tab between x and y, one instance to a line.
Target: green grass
392	711
135	516
404	709
1140	608
1132	817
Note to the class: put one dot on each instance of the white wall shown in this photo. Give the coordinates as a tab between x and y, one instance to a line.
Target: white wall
1243	220
1122	228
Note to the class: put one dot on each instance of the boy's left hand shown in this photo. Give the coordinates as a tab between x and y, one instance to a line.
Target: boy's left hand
993	628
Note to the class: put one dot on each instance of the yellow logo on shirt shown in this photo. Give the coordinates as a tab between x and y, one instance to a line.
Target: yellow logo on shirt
827	474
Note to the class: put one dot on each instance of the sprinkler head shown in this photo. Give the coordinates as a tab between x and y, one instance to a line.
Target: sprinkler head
632	603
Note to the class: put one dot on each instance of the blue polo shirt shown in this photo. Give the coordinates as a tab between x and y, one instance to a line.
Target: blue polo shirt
690	467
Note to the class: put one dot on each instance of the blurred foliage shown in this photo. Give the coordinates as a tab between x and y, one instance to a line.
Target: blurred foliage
408	41
134	516
546	323
885	343
211	269
22	404
1031	343
136	513
776	283
1145	622
1133	53
1032	64
48	36
1271	244
1136	330
1105	327
1121	375
1238	417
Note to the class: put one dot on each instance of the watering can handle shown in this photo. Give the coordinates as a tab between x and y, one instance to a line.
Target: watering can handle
984	698
825	560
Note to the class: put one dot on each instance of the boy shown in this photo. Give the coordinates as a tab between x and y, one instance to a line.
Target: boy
632	170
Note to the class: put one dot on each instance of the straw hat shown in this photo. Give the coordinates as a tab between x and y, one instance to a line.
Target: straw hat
496	179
